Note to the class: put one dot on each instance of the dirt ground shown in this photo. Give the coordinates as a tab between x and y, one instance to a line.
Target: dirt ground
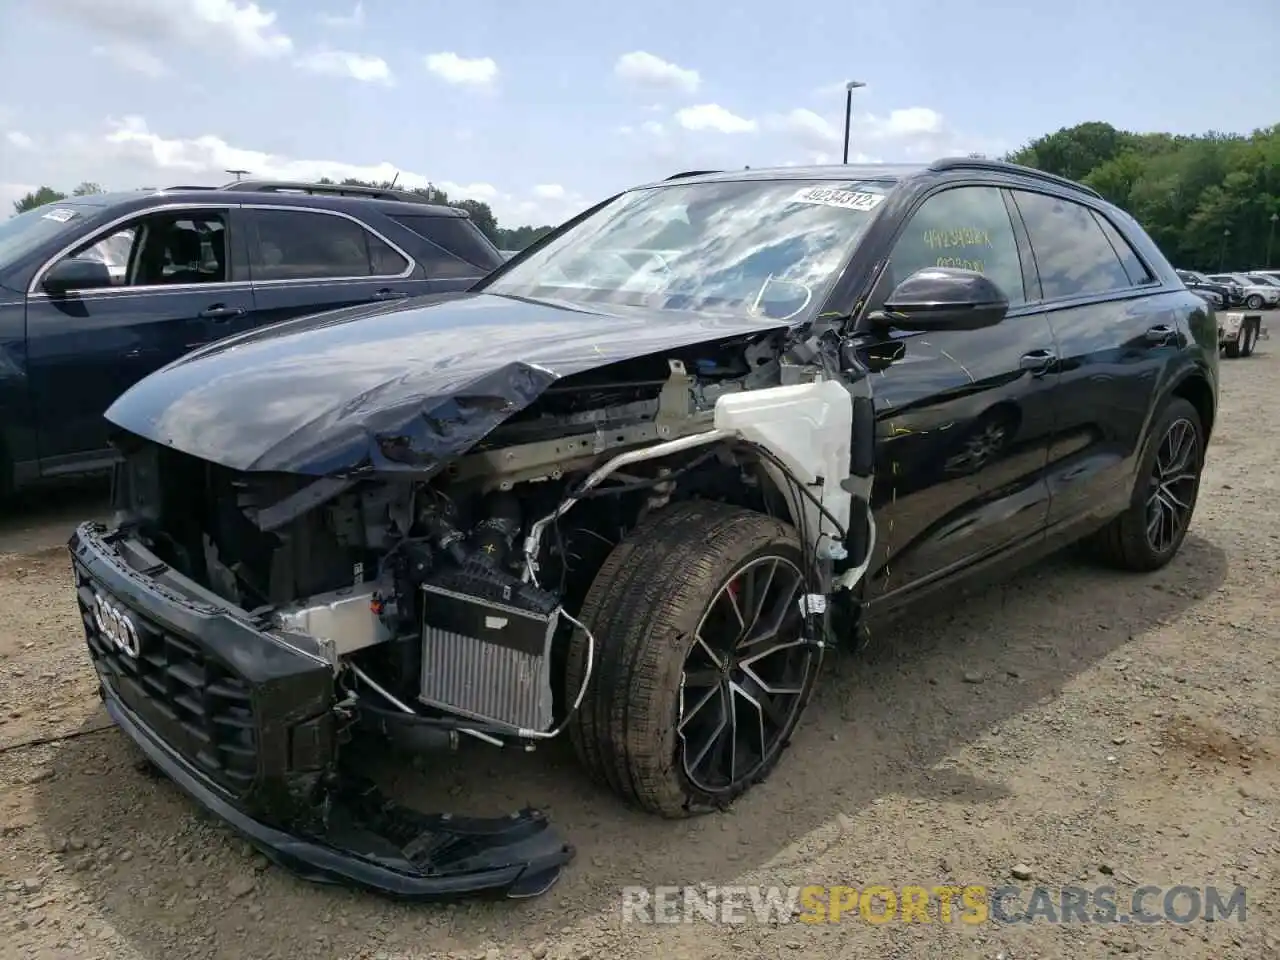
1087	727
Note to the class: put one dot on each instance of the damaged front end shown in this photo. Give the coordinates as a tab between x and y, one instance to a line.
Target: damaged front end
252	726
253	628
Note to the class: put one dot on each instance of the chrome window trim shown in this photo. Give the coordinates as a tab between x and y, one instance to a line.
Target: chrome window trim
33	288
402	275
34	291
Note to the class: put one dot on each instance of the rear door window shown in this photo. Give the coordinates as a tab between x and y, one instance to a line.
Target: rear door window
1072	252
310	245
1133	266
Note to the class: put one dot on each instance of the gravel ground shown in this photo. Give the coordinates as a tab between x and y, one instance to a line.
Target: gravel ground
1085	727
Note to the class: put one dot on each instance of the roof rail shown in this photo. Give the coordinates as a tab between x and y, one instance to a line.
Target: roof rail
981	163
189	186
691	173
331	189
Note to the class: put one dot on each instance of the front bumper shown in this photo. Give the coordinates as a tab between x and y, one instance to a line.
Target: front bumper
249	728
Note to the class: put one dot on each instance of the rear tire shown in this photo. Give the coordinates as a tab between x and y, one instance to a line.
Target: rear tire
1150	532
1248	338
665	610
1254	302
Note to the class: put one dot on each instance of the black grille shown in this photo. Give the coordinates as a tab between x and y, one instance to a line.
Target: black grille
192	702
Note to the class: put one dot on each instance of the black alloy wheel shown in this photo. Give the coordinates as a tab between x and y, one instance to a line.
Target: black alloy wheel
702	667
745	676
1175	478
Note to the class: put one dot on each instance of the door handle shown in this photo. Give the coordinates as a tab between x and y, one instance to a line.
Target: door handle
1160	333
1037	361
386	293
220	312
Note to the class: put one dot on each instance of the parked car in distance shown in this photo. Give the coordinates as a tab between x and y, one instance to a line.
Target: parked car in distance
1271	274
98	291
1254	296
1264	278
1216	294
628	489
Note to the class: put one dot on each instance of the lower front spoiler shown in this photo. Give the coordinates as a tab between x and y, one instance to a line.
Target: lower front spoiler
374	844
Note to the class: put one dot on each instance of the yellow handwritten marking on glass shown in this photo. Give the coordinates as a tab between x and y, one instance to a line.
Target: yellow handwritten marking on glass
957	237
979	266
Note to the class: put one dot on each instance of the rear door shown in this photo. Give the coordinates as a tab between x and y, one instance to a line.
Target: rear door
174	276
963	418
307	260
1116	331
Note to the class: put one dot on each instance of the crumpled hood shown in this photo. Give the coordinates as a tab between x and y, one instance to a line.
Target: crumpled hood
393	387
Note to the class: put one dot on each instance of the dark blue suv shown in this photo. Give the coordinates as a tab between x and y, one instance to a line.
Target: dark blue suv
96	292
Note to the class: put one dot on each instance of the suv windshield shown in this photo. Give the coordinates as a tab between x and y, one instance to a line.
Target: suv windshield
24	232
767	248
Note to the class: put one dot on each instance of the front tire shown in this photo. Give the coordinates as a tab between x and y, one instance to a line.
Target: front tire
1150	532
1253	302
701	668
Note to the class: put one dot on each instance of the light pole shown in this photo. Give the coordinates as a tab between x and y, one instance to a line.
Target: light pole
1222	252
238	174
849	87
1271	236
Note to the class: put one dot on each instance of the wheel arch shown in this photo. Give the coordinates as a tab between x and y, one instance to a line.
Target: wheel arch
1194	387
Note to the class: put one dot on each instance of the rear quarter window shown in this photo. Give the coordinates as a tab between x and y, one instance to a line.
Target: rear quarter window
458	238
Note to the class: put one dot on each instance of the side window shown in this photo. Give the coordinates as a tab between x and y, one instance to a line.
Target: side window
463	251
965	227
1073	255
304	245
163	249
1134	268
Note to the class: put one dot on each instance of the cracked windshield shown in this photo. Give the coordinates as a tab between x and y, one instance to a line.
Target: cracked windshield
767	249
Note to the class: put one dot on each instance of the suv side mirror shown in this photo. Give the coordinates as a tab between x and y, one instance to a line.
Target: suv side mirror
75	273
944	298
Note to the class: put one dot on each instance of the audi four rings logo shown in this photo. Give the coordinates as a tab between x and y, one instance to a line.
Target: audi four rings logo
116	626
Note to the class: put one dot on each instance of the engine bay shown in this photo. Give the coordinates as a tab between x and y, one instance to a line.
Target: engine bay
443	601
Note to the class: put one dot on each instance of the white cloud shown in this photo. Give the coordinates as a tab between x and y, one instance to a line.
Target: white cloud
713	117
344	20
461	71
132	56
209	156
20	140
643	69
341	63
222	25
129	154
809	129
909	133
913	121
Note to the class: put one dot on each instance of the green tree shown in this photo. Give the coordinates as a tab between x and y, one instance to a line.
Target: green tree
1206	200
37	198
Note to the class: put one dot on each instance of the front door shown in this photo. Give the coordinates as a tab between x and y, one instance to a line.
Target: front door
309	261
963	418
170	286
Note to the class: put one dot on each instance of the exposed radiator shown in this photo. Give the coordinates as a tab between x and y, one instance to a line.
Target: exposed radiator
486	649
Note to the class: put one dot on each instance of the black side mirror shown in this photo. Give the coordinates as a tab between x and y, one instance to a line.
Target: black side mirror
944	298
75	273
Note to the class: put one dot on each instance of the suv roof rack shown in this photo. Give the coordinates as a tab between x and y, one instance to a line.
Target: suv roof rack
691	173
981	163
331	189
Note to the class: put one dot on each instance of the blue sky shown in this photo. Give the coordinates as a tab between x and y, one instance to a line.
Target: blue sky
541	108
